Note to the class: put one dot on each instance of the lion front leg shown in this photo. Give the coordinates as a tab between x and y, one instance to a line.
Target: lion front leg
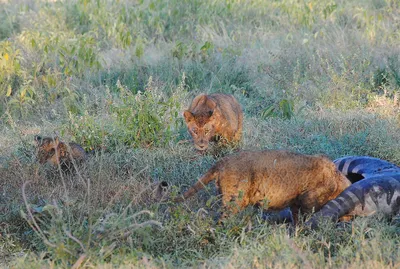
230	206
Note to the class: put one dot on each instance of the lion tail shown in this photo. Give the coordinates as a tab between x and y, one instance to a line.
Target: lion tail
200	184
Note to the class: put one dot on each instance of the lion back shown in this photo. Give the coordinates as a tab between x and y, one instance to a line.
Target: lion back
231	112
77	152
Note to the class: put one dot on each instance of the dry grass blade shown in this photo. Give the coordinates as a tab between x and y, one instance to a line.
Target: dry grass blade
35	226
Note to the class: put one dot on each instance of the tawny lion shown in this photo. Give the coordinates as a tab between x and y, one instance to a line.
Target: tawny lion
214	116
273	179
357	169
56	152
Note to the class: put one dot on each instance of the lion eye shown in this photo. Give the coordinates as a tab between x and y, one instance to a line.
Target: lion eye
207	131
195	131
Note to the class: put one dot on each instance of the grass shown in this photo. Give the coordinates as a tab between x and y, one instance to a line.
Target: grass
115	76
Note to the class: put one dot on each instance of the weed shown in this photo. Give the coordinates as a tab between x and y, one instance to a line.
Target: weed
284	109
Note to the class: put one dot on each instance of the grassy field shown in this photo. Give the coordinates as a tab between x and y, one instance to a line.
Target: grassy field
115	76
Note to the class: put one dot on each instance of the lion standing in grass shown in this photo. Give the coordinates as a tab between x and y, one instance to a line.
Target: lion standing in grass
274	180
214	116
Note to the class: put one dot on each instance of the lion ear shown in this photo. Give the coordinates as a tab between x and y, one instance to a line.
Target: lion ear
56	141
188	116
161	190
199	100
211	104
202	99
37	139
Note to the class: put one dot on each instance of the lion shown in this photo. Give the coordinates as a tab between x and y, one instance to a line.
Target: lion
55	152
274	180
212	117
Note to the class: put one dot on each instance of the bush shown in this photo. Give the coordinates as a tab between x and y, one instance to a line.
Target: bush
142	119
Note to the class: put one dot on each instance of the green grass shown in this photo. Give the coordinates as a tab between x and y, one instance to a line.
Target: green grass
312	76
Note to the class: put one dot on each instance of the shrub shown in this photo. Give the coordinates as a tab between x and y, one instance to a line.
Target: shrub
142	119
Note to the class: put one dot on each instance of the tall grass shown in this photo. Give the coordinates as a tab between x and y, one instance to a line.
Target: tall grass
115	76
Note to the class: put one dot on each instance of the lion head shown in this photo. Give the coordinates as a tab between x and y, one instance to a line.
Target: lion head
201	123
46	148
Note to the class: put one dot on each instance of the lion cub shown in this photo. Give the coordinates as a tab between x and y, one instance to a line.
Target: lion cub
56	152
273	179
214	116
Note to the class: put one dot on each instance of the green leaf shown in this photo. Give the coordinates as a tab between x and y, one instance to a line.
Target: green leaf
268	112
9	91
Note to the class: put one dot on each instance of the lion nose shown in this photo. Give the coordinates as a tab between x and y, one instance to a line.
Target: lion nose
202	145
